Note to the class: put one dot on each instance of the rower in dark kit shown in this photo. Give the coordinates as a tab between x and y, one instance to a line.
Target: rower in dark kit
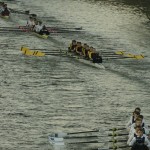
140	142
72	46
132	119
44	30
5	11
30	23
94	55
78	48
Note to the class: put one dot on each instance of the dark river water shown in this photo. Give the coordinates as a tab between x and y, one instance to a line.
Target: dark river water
39	96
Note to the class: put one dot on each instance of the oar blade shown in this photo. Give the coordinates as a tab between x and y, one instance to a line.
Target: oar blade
26	51
139	56
119	52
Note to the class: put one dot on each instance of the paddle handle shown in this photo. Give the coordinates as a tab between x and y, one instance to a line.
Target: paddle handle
83	132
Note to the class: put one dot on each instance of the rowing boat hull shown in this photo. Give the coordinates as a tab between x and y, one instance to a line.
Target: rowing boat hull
85	61
5	17
44	36
26	29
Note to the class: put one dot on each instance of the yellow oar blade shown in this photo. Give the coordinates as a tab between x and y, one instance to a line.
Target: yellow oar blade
138	56
129	55
120	52
28	52
24	49
38	53
134	56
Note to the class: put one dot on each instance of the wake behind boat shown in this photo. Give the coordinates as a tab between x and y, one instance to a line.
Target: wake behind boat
83	60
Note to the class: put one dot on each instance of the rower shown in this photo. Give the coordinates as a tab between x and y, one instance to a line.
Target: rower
44	30
87	48
30	22
72	46
83	49
134	134
138	122
140	142
5	11
38	27
78	49
138	109
135	115
143	121
94	55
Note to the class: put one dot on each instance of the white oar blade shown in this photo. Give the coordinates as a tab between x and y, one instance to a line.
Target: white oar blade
59	135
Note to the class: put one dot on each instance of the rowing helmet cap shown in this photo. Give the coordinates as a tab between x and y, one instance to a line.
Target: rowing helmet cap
141	116
137	109
40	22
136	112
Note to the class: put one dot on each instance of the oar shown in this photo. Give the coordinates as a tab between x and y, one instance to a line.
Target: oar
47	50
35	52
26	51
62	55
65	31
59	28
19	12
110	134
63	134
8	28
16	30
135	57
129	55
116	129
96	141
